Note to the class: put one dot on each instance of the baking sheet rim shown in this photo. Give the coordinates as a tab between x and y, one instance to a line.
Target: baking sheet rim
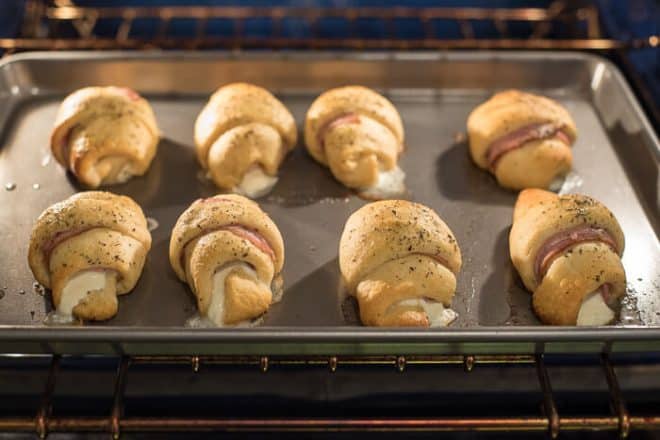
335	334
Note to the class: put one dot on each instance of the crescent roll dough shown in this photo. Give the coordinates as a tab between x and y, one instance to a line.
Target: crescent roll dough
358	134
400	261
567	250
230	253
104	135
242	135
88	249
523	139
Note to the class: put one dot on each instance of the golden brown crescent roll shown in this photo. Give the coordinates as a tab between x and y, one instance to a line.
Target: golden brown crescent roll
567	250
104	135
400	261
358	134
88	249
523	139
242	135
231	254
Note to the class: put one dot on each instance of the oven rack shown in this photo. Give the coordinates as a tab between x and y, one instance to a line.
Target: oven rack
62	25
549	420
563	25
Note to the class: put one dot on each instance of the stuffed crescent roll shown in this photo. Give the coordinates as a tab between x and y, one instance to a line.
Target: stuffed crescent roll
105	135
400	261
358	134
523	139
567	250
242	136
231	254
88	249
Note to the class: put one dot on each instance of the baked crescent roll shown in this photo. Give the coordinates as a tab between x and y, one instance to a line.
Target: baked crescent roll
88	249
400	261
523	139
242	135
104	135
231	254
567	250
358	134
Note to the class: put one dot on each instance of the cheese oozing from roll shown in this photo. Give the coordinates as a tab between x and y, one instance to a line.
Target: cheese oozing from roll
230	253
400	261
255	183
242	136
436	313
523	139
567	250
594	309
88	249
105	135
359	135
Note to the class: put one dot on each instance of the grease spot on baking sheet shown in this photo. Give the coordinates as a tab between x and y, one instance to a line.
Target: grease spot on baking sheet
348	305
199	321
572	182
629	314
459	137
38	289
350	310
204	177
54	318
152	224
333	200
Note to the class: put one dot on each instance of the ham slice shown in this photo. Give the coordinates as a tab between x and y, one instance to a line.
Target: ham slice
439	259
563	240
253	237
606	292
346	118
59	237
129	93
250	235
64	146
517	138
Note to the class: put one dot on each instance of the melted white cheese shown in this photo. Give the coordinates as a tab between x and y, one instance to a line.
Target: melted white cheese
116	170
125	173
557	184
437	314
78	287
594	310
390	184
255	183
216	310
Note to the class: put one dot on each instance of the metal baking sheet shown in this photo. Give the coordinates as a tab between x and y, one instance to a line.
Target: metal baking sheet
616	161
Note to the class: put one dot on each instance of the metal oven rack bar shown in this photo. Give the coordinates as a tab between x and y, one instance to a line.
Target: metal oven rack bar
44	21
550	421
